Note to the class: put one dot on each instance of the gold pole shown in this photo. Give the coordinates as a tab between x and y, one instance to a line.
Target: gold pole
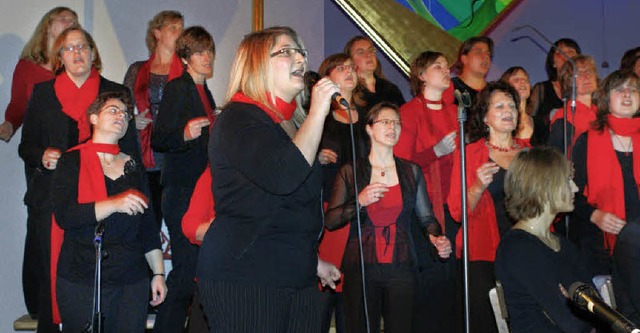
258	15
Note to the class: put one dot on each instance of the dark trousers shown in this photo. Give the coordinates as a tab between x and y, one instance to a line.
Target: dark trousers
172	313
481	279
32	269
390	292
124	308
42	218
245	308
156	194
332	303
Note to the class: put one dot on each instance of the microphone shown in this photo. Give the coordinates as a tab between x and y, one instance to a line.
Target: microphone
464	101
310	80
586	298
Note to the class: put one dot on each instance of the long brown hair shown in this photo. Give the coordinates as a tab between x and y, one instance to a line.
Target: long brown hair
36	49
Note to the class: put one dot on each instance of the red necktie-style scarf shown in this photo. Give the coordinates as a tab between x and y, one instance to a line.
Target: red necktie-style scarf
91	188
285	109
141	96
75	100
605	187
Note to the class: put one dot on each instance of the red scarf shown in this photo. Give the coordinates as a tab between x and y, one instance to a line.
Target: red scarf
75	101
91	188
285	110
585	115
484	235
141	96
605	187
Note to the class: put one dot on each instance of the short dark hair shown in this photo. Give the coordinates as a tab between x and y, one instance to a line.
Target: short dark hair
552	72
466	47
192	40
629	59
476	128
419	65
103	98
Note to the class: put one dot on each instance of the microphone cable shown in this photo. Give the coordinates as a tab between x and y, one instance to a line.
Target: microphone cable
358	207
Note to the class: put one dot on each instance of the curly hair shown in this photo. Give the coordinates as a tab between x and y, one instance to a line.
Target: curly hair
566	72
158	22
475	126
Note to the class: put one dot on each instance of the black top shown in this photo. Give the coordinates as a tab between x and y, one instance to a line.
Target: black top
458	84
386	91
555	135
268	205
46	126
126	238
496	190
337	137
547	101
530	272
184	161
631	200
413	224
626	269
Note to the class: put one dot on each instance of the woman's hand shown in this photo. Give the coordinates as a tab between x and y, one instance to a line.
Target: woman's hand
484	174
607	222
6	131
193	130
50	158
446	146
321	96
326	156
372	193
442	244
130	202
158	290
328	274
142	121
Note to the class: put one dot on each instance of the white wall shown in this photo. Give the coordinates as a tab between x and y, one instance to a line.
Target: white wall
119	27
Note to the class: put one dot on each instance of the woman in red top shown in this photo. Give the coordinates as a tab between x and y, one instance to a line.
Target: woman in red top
491	132
586	86
608	170
34	66
396	221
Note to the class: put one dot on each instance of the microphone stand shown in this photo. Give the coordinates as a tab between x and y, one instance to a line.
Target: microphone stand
462	118
566	131
95	325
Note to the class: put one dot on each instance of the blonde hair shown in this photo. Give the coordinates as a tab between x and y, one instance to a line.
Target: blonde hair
158	22
36	49
251	70
56	56
565	76
537	177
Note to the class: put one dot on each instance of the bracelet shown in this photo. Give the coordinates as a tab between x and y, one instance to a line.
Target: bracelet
158	274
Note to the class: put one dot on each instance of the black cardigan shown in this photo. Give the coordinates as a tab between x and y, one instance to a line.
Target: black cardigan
268	205
416	219
46	126
184	161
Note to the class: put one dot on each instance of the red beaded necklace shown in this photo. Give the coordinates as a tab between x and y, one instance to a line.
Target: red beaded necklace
513	147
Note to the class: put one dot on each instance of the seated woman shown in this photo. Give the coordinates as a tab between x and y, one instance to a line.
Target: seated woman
531	262
97	186
395	206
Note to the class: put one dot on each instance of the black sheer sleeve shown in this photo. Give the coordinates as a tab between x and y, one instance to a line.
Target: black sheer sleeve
423	208
342	204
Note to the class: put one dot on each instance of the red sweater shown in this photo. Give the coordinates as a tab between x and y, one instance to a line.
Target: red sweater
422	129
26	75
201	207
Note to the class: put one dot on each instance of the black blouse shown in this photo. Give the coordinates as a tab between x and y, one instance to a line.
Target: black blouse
416	211
126	238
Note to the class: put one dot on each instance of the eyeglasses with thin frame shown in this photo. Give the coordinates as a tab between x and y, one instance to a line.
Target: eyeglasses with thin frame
114	111
387	122
343	68
76	48
289	52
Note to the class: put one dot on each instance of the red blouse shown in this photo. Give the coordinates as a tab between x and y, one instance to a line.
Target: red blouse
383	215
201	207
